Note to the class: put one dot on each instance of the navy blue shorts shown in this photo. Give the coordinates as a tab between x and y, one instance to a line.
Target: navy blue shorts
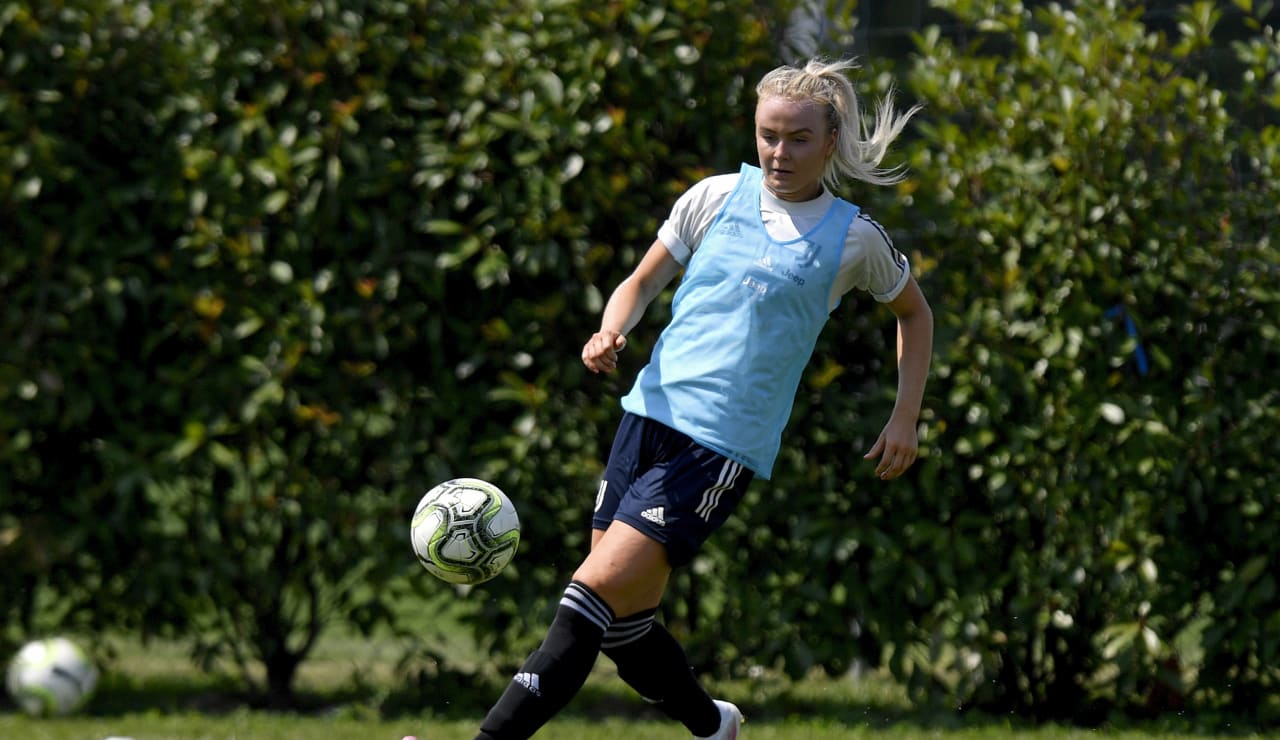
667	486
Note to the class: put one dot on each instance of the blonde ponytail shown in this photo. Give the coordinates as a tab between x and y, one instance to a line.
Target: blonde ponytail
858	151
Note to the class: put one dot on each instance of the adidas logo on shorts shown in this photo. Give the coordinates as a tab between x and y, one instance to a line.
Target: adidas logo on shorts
654	515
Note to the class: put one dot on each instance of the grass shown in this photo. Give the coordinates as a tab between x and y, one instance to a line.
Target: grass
352	688
200	727
152	693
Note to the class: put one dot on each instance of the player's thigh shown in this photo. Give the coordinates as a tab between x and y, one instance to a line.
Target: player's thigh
627	568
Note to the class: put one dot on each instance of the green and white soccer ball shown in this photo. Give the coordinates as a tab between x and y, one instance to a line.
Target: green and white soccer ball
465	531
51	677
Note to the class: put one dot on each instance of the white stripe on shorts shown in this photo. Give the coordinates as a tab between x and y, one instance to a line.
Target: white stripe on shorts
711	496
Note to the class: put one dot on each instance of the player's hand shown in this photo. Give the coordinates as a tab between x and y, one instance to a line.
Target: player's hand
600	353
897	448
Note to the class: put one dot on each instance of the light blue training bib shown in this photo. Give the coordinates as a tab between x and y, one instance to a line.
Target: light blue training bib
744	323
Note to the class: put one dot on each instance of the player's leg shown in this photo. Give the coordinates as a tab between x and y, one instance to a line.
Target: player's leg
648	658
653	663
627	567
573	642
696	491
625	570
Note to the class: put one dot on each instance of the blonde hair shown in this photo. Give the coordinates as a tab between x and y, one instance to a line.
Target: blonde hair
858	151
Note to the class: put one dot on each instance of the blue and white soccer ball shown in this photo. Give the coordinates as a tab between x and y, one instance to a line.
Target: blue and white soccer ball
51	677
465	531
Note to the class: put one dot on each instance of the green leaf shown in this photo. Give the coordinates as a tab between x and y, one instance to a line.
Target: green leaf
275	201
443	227
460	253
1112	413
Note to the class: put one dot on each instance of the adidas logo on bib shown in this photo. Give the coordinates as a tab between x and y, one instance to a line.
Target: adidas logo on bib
654	515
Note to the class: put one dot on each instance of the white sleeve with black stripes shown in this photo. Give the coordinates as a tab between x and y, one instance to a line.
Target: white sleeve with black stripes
871	263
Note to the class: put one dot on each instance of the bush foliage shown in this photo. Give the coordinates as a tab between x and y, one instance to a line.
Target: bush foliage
271	270
1102	217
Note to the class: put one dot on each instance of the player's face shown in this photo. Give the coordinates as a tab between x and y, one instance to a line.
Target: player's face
793	142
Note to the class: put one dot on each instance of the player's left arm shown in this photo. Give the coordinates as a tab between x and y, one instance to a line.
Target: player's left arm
898	444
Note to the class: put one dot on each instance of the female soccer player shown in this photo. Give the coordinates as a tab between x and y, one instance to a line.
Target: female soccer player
767	254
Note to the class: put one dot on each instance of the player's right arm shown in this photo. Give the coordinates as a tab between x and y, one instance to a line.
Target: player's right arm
627	304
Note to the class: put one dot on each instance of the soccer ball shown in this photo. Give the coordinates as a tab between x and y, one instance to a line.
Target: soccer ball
465	531
51	677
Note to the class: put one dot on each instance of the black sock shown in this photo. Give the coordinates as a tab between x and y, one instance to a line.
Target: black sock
651	661
555	671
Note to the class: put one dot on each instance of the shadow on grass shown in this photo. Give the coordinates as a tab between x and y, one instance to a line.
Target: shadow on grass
872	704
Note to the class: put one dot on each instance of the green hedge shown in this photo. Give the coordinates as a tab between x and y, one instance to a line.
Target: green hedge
278	268
272	270
1100	504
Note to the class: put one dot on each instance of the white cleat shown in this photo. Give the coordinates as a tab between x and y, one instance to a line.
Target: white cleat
730	722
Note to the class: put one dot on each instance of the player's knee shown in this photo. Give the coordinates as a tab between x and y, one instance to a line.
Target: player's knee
625	593
630	578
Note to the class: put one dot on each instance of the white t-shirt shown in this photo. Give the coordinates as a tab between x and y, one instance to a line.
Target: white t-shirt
869	262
